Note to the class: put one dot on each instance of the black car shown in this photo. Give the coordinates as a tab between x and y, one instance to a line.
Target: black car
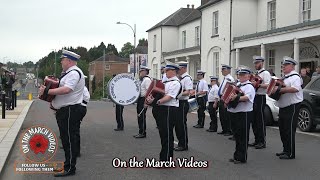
309	113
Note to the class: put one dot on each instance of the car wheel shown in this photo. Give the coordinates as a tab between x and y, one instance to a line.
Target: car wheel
268	119
304	120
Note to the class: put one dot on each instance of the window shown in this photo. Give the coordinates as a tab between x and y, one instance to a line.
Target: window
184	39
272	14
306	10
215	29
271	58
155	70
107	67
197	36
216	59
154	43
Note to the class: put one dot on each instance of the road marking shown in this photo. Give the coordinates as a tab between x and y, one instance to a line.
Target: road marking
300	132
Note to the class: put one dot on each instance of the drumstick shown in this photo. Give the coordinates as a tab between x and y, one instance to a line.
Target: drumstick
142	111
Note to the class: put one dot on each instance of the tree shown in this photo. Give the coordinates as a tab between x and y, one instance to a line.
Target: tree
143	42
111	49
126	50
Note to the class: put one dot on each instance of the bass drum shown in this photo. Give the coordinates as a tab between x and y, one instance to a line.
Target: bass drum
124	89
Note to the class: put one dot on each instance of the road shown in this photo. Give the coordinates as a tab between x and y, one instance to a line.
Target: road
100	145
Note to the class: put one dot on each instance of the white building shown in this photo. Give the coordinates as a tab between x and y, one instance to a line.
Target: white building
232	31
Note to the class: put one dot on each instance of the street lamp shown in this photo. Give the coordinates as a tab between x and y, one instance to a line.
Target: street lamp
134	42
55	62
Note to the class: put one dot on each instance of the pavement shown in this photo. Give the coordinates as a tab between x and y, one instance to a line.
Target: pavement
100	145
10	126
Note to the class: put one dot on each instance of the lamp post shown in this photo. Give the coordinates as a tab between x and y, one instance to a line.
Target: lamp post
134	44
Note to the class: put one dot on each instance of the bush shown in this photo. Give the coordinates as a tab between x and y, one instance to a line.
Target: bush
98	90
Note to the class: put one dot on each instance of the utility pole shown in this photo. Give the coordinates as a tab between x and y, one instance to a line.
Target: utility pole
104	69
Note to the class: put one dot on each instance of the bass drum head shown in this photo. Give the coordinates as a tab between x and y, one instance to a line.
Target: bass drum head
124	89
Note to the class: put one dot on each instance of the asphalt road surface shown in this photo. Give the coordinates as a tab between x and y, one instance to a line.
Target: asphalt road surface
100	145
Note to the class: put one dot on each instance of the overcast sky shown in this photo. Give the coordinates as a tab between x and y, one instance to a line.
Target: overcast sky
30	29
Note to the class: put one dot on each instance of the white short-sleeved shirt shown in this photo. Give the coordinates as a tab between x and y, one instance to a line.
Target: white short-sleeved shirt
246	106
202	86
213	93
86	96
227	78
187	84
288	99
172	89
75	83
164	77
145	86
266	77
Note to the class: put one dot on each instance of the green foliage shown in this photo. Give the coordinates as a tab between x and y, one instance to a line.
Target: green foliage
143	42
126	50
98	91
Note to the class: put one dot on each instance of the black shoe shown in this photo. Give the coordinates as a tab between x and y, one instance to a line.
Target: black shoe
211	130
222	132
198	126
179	148
119	129
238	162
252	144
227	134
140	136
280	153
260	146
285	156
232	138
70	173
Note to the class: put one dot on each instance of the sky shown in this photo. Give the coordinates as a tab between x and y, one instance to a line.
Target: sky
31	29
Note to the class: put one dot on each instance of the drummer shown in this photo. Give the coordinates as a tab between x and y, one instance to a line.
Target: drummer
141	111
201	95
213	100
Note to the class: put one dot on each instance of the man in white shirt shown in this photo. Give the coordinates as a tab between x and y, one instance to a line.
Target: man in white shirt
201	95
241	115
67	102
168	108
145	83
289	104
181	122
213	100
258	123
223	114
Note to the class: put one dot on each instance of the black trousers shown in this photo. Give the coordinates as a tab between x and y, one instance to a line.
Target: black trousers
288	118
180	124
213	116
68	119
258	122
241	126
119	117
9	98
224	118
202	107
142	117
166	116
83	114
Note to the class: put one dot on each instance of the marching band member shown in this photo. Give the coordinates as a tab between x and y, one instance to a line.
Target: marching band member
213	100
201	95
289	104
223	114
69	96
241	116
168	110
119	116
181	122
145	83
258	123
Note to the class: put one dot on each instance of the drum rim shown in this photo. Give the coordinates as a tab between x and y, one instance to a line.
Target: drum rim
109	91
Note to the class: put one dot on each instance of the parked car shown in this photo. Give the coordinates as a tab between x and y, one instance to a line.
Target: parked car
271	111
309	112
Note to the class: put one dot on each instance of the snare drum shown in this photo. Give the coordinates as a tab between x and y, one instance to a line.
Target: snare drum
193	104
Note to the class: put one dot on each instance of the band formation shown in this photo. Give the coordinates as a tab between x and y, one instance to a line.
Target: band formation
240	102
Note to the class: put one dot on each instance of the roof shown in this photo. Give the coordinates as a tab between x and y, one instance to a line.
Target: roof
211	2
181	16
112	57
278	30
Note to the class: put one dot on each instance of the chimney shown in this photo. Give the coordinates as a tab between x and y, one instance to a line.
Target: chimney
192	6
188	6
204	2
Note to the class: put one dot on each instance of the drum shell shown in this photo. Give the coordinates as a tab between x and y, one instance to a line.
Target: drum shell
193	104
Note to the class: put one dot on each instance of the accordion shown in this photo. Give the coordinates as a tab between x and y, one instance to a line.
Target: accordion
256	80
155	92
229	91
51	83
277	84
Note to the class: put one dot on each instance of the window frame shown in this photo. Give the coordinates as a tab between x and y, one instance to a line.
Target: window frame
216	60
305	11
154	43
184	39
272	15
197	36
215	23
272	58
155	70
107	67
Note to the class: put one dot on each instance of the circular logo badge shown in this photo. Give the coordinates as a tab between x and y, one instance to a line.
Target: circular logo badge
38	144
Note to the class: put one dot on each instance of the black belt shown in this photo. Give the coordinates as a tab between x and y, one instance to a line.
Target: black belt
84	102
260	94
